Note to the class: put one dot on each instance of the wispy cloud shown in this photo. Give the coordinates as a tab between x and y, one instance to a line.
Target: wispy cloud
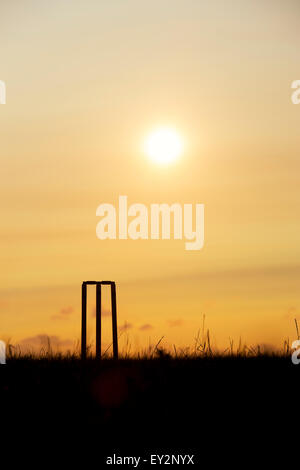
66	310
174	323
104	312
126	326
63	313
145	327
40	341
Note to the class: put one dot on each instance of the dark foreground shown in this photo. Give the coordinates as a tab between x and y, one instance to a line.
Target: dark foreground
221	410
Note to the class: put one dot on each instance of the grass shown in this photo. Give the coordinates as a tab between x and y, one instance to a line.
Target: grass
202	348
192	398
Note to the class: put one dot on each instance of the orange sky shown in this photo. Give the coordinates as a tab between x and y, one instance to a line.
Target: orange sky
86	82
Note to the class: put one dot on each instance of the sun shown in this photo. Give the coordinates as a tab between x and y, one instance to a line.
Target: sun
163	146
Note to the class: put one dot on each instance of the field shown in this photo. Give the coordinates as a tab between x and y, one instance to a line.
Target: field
213	406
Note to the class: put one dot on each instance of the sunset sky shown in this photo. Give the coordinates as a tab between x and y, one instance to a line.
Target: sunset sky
87	81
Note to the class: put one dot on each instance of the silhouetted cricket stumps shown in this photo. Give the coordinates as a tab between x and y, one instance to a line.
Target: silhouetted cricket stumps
98	317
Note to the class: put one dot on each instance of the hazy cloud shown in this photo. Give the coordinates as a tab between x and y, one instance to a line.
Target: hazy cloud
104	312
63	313
173	323
126	326
45	341
66	310
145	327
